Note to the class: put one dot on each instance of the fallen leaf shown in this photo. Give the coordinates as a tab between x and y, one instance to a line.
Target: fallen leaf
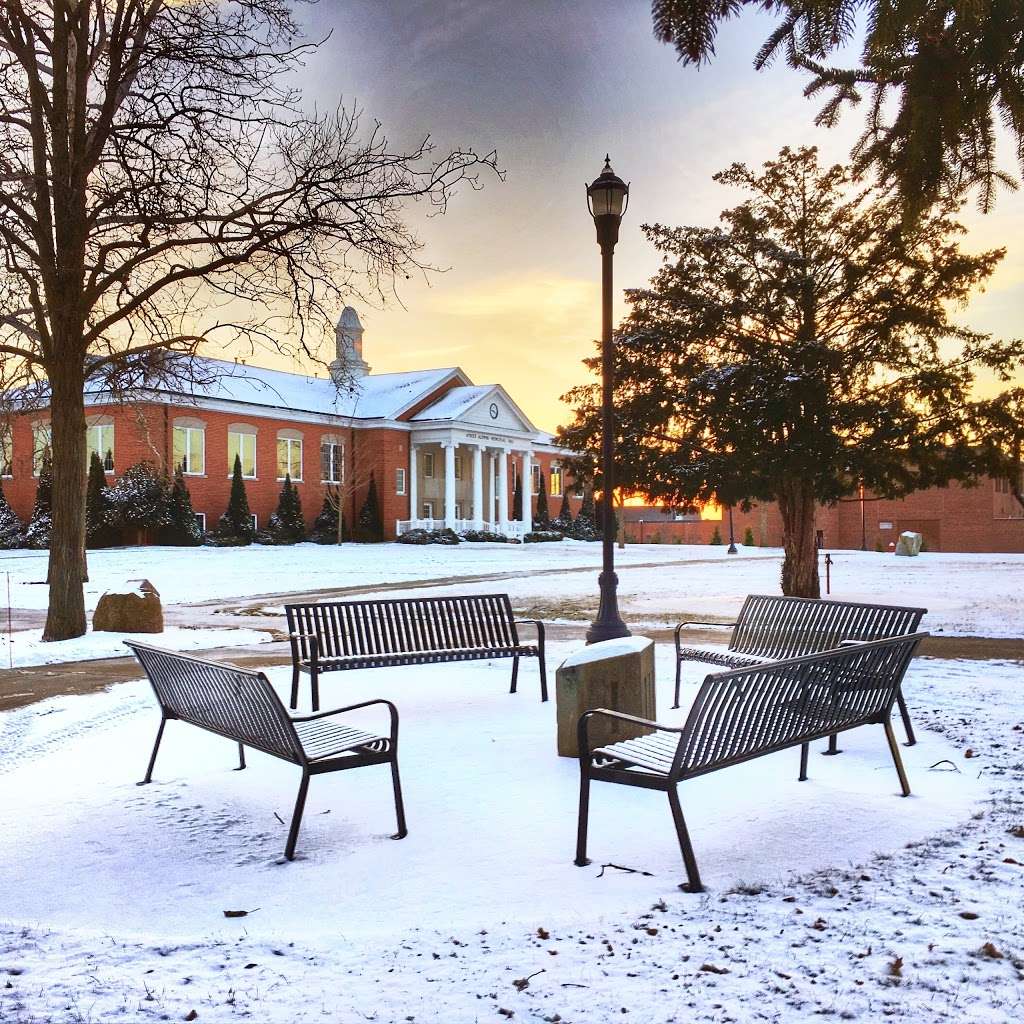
969	753
712	969
506	1013
1010	860
240	913
990	951
1018	831
191	1015
896	968
968	915
543	933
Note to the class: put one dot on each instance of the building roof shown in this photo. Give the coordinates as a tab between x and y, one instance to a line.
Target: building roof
455	402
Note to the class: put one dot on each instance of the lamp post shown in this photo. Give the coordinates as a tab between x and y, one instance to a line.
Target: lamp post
732	536
607	197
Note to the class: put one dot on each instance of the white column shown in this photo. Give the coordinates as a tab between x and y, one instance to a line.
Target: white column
503	490
478	487
449	484
414	487
527	492
491	492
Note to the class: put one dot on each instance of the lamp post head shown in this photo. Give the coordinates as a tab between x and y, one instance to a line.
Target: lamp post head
607	199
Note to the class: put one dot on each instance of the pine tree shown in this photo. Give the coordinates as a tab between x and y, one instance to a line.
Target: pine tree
37	533
748	537
235	525
182	529
286	524
140	500
517	499
12	532
371	524
541	517
98	531
585	525
716	538
563	521
325	526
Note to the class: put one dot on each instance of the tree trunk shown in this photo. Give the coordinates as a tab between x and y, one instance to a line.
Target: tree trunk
800	566
65	618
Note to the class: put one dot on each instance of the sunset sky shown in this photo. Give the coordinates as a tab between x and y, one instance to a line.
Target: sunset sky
552	86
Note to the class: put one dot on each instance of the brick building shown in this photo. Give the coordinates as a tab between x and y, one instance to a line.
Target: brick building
441	450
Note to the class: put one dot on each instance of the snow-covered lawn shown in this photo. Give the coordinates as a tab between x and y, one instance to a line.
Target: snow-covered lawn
974	594
832	897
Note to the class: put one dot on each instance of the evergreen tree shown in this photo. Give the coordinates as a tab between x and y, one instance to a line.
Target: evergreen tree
286	524
235	525
563	521
541	517
182	529
12	532
140	500
371	524
716	538
37	533
748	537
799	350
517	499
585	527
325	526
98	531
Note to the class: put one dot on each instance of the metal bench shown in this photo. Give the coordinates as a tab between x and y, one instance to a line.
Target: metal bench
747	713
241	705
771	627
340	635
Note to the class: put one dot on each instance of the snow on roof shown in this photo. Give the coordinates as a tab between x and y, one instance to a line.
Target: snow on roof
455	402
376	396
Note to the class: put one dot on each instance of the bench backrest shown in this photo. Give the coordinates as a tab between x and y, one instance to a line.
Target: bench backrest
233	702
747	712
403	626
771	626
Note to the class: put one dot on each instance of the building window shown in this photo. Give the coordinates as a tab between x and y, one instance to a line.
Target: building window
6	454
242	444
201	520
190	450
255	524
458	467
41	446
556	481
428	464
289	458
428	510
400	481
458	511
535	477
332	463
100	439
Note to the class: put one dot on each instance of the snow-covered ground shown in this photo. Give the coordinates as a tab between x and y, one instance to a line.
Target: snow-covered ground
967	594
833	897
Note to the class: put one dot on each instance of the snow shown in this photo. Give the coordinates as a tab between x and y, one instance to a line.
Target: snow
25	647
454	402
607	649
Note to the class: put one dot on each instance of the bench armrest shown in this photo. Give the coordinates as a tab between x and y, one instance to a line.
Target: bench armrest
539	626
392	710
698	622
582	727
314	645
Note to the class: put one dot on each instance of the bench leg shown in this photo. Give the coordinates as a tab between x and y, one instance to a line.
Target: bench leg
804	748
905	715
241	758
584	817
693	882
314	688
515	673
152	757
833	746
679	675
294	703
399	805
543	678
894	747
300	804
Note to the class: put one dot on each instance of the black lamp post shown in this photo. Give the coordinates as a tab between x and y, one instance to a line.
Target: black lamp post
607	198
732	536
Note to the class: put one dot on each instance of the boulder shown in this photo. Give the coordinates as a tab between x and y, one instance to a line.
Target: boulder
132	608
614	674
909	544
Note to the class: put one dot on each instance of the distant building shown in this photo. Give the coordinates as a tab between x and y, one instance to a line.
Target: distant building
442	450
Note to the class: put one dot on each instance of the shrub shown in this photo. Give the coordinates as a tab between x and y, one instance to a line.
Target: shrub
517	499
12	532
37	533
716	537
444	536
182	529
541	516
286	525
484	537
325	526
98	531
542	537
563	521
371	525
748	538
234	528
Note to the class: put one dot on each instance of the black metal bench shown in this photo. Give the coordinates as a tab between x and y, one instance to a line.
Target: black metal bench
340	635
242	706
771	627
747	713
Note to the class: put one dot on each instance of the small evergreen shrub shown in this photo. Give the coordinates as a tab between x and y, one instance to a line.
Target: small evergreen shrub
444	536
541	517
98	531
234	528
286	525
484	537
542	537
371	524
325	526
182	529
37	533
563	521
517	499
716	537
140	500
748	538
12	532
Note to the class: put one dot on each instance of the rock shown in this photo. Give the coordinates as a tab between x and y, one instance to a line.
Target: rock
133	608
909	544
615	674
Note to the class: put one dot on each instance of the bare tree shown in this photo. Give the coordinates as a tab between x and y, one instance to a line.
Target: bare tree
155	158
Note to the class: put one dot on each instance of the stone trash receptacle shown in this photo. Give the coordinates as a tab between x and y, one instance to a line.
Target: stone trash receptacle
132	608
909	543
614	674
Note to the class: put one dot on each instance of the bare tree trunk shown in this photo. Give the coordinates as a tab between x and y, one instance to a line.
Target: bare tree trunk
800	566
66	615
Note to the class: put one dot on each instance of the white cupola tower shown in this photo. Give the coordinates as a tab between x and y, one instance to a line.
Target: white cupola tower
348	364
